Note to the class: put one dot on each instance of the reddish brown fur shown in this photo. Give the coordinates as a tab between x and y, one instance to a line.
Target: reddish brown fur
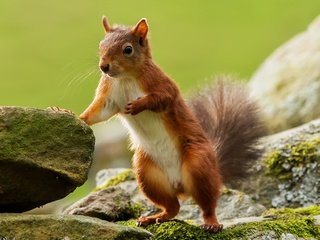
201	178
199	159
97	104
231	121
154	184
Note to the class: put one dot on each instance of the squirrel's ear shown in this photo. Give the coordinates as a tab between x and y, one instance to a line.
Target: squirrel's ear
106	25
141	29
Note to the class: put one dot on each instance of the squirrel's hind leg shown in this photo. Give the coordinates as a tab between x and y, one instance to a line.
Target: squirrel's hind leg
202	181
154	184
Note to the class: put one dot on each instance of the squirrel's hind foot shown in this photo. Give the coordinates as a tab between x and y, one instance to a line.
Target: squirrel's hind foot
145	221
213	228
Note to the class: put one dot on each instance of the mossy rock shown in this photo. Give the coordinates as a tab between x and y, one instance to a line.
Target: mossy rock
111	204
295	163
281	161
124	175
287	213
37	227
299	223
288	175
44	155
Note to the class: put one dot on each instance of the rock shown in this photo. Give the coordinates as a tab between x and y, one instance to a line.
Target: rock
272	235
267	235
239	221
289	236
287	84
44	155
288	175
286	224
236	204
111	204
15	226
232	204
113	176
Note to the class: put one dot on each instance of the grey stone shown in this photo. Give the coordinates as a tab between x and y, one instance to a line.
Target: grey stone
111	204
289	236
241	221
270	235
22	226
317	220
295	180
232	204
287	84
105	175
236	204
44	155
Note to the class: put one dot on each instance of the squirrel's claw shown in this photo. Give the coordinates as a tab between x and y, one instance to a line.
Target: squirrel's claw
57	109
214	228
128	108
133	107
145	221
141	222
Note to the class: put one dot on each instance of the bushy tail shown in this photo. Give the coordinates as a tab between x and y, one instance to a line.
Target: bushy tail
232	122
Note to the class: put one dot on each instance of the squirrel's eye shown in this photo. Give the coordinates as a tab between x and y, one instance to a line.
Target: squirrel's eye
128	51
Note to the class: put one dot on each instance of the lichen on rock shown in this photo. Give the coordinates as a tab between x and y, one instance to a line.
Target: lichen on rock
281	161
288	175
122	176
296	163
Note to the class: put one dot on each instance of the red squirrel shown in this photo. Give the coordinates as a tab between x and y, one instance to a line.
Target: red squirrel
180	149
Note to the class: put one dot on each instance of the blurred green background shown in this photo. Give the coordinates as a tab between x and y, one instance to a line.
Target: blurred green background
49	48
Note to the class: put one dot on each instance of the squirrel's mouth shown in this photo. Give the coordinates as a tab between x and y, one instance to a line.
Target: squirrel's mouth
110	74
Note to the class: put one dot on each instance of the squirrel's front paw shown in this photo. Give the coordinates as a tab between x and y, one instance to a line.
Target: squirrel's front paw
134	107
57	109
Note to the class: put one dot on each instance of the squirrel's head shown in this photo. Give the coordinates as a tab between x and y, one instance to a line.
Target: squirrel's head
124	50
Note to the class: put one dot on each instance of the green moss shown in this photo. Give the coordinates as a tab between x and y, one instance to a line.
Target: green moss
285	213
303	227
225	191
121	177
292	155
28	227
130	211
38	137
228	192
135	209
298	222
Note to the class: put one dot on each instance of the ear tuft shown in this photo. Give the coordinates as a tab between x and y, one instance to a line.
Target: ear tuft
106	25
141	29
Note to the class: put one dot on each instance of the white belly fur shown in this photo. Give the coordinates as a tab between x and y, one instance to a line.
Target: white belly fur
147	130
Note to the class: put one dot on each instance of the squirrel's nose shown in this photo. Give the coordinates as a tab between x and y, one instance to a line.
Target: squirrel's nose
105	68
